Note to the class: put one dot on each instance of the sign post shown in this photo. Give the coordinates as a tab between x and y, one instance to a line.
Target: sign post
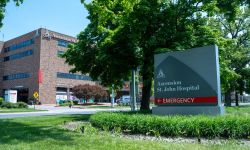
188	82
133	92
36	96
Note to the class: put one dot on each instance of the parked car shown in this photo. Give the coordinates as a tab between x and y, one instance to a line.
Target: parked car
125	99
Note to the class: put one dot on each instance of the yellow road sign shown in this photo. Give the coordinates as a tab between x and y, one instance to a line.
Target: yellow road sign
36	95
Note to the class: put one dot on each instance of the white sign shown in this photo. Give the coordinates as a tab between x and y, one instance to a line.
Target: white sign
160	74
53	35
10	96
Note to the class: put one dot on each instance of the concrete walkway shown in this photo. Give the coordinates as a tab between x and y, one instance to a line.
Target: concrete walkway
52	110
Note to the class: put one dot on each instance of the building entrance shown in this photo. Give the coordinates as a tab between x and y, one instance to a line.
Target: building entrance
22	95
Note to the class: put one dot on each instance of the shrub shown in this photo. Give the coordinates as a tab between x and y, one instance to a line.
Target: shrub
65	103
75	102
68	102
14	105
32	101
9	105
187	126
1	101
21	105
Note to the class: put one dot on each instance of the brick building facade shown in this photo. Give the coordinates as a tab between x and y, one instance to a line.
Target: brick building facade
32	62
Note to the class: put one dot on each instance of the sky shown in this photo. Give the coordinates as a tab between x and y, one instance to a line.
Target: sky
64	16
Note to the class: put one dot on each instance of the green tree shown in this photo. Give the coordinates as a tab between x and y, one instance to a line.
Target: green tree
2	8
238	31
125	34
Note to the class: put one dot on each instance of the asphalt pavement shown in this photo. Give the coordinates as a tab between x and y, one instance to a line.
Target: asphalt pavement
52	110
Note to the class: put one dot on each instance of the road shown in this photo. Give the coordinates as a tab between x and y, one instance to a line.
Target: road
51	110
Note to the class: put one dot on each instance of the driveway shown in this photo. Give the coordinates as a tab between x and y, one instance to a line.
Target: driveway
52	110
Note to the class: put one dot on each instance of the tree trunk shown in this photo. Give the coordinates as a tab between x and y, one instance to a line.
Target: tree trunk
147	76
236	99
228	98
241	90
146	93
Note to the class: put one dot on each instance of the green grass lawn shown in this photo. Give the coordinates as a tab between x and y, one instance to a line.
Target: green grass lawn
104	107
46	133
96	106
240	110
14	110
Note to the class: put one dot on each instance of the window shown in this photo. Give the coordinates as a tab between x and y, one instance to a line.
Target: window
19	45
19	55
63	43
73	76
16	76
60	53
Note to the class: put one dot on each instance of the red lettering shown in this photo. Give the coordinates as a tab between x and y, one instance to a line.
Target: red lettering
188	100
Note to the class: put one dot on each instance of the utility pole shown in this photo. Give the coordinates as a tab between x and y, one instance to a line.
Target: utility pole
112	97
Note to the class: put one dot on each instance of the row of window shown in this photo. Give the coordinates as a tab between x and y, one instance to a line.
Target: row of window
16	76
59	75
60	53
62	43
18	55
25	54
73	76
30	42
19	45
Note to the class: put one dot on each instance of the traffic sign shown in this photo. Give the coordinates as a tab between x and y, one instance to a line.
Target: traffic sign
36	95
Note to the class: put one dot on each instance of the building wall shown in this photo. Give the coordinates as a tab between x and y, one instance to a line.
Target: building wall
29	64
1	68
45	58
50	64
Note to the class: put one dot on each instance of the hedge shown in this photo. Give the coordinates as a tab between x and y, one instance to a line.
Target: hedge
185	126
1	100
14	105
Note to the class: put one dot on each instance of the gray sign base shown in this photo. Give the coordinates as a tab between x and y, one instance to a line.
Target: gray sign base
190	110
